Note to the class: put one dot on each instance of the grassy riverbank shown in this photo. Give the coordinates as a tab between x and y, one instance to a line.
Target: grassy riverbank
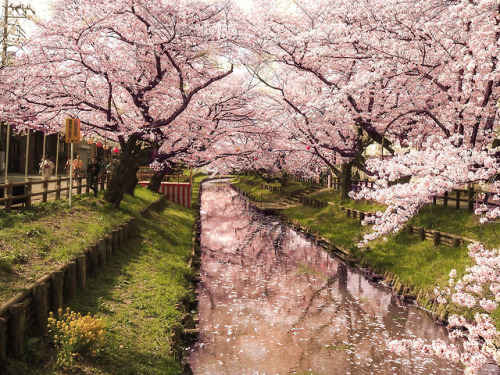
143	296
35	241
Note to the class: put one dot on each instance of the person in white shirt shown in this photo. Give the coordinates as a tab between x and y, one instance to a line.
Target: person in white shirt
46	168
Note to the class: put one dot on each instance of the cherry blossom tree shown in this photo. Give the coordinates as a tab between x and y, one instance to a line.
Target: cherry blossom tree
126	68
215	116
438	167
451	51
330	79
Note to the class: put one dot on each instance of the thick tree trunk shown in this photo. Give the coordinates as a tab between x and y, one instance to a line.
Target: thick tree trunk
345	180
124	178
115	191
156	180
132	181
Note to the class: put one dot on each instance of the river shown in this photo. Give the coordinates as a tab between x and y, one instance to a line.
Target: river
273	302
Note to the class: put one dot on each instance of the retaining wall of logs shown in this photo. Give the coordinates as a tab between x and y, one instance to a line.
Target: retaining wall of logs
31	308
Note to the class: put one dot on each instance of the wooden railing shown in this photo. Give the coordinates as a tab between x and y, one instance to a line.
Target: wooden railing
461	198
26	192
357	184
145	174
458	196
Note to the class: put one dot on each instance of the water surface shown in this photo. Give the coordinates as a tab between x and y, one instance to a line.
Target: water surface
273	302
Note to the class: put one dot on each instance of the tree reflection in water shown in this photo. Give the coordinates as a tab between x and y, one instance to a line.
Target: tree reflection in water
272	302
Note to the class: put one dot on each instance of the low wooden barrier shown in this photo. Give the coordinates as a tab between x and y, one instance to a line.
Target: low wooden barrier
31	308
311	202
355	214
437	237
15	193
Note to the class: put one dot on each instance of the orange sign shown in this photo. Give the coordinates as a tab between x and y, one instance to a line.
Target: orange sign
72	130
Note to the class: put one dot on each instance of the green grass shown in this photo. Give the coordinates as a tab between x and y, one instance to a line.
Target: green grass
330	222
261	194
330	195
137	298
34	241
417	263
459	222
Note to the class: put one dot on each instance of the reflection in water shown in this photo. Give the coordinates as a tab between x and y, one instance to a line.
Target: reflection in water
272	302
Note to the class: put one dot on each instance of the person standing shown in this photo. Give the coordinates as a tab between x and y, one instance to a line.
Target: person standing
111	167
77	166
67	167
93	170
46	168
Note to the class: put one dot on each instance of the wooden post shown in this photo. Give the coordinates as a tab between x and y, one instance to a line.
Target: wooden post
421	234
45	187
445	198
471	199
58	186
436	237
458	200
103	178
87	184
361	216
115	237
94	259
79	184
102	254
41	307
409	229
434	200
70	280
67	185
81	271
3	346
16	320
456	242
109	246
8	195
126	228
348	211
28	188
120	238
57	290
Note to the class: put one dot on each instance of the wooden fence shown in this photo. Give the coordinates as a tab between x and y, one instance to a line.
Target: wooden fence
435	236
305	200
351	212
460	198
31	308
145	174
16	193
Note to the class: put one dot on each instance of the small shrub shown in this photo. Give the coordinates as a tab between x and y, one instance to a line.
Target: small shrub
74	334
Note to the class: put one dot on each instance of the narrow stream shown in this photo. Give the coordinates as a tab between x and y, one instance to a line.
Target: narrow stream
272	302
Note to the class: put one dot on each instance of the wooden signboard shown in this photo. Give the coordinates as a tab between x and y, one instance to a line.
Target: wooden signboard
72	130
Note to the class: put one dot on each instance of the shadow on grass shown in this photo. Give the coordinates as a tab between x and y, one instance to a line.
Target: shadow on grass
136	297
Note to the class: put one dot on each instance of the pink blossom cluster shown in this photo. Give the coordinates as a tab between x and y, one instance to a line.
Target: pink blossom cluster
440	166
478	289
